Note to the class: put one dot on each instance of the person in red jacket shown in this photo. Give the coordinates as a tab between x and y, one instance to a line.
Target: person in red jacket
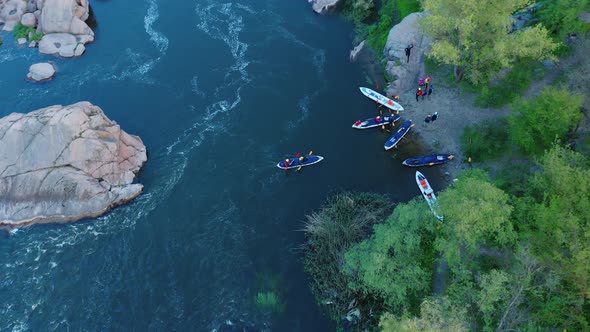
419	93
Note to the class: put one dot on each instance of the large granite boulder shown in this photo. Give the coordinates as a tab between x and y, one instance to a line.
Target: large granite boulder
11	12
29	20
65	16
62	22
64	163
41	72
407	32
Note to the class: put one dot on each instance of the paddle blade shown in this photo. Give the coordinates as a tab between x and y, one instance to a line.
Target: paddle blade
299	168
451	157
431	164
310	152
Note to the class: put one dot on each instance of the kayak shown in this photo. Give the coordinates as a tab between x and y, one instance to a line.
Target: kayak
381	99
372	122
428	194
398	135
295	163
433	159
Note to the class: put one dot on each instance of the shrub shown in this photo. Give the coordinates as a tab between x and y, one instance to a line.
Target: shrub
391	12
485	140
509	87
536	124
21	31
561	16
37	36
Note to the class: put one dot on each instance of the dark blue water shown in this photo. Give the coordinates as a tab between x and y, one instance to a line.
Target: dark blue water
219	92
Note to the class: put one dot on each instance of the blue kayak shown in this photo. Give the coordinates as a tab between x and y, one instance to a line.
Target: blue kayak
398	135
374	122
295	163
433	159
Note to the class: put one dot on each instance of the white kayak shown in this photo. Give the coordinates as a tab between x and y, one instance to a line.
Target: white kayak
428	194
381	99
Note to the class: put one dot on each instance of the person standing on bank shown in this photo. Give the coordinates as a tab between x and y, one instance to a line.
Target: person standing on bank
419	93
408	51
434	117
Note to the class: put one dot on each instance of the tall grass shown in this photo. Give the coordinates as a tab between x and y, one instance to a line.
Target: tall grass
345	219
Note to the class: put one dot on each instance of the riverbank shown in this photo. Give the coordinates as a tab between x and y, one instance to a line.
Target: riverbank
457	107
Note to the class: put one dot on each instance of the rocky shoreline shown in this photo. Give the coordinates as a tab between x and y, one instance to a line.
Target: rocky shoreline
57	27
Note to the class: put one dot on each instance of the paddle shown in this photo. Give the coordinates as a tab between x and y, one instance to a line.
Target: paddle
431	164
309	154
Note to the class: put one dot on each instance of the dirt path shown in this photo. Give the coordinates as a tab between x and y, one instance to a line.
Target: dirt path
456	110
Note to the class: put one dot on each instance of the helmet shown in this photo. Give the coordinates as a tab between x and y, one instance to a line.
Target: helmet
287	160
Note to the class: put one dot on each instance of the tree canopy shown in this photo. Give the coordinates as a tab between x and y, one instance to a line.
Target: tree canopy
559	219
536	124
477	38
393	264
437	314
561	16
476	214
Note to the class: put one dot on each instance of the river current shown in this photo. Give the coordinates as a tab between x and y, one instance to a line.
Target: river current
219	92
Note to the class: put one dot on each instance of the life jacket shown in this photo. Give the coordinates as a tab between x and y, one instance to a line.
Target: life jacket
424	184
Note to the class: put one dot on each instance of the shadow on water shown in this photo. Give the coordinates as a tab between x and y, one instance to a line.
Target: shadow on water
91	21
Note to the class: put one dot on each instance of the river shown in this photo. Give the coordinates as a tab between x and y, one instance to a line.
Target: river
219	92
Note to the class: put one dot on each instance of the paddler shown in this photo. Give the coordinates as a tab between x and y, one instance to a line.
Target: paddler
300	157
288	162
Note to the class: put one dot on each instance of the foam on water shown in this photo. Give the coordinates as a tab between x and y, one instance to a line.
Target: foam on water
222	22
174	158
158	38
195	87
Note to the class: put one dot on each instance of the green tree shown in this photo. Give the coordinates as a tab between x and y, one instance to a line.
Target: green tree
437	314
561	16
475	36
536	124
395	263
494	293
476	214
558	218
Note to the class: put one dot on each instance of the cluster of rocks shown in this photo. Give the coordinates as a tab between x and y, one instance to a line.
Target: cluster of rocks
62	23
65	163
